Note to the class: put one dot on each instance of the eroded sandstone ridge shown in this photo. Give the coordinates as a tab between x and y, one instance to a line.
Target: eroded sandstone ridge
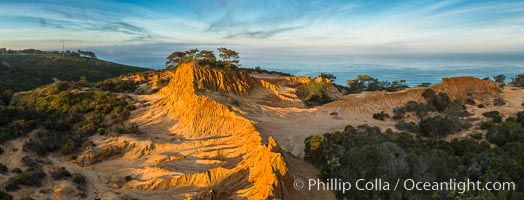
212	152
208	133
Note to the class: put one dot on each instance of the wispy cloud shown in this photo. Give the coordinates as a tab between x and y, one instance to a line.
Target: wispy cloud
262	34
351	26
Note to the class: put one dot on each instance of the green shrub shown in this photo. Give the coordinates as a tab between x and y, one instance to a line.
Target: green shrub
425	84
520	117
16	170
3	169
78	179
368	83
518	80
481	106
32	177
476	135
329	76
30	162
316	93
407	126
499	78
27	198
508	131
367	153
421	110
494	115
66	114
470	101
60	173
456	109
438	126
440	101
5	196
128	178
118	85
487	124
380	116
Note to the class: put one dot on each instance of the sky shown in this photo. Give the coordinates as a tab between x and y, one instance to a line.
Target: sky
150	29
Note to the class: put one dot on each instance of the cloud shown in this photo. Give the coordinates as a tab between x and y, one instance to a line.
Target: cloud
76	18
266	19
45	24
262	34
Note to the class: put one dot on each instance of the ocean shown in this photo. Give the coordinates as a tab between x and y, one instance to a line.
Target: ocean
415	69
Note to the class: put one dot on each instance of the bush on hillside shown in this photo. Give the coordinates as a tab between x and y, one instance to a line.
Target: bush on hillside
316	93
518	80
367	153
508	131
5	196
494	115
499	101
407	126
380	116
438	126
367	83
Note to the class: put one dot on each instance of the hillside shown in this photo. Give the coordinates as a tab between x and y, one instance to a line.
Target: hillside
20	72
197	133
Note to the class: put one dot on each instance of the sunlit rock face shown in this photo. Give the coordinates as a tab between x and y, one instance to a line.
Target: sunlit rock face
212	152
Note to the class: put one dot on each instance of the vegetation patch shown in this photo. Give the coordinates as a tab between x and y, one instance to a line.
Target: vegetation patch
367	153
380	116
64	114
494	115
367	83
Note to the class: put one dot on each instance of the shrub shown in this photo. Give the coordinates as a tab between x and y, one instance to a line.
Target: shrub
5	196
469	101
128	178
499	78
118	85
520	117
425	84
11	186
67	116
60	173
329	76
407	126
518	80
476	135
79	179
368	155
316	93
3	169
421	109
380	116
456	109
368	83
16	170
487	125
481	106
494	115
508	131
232	101
438	126
499	101
1	150
33	177
440	101
30	162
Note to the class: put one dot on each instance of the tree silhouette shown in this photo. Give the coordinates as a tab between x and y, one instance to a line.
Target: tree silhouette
229	58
